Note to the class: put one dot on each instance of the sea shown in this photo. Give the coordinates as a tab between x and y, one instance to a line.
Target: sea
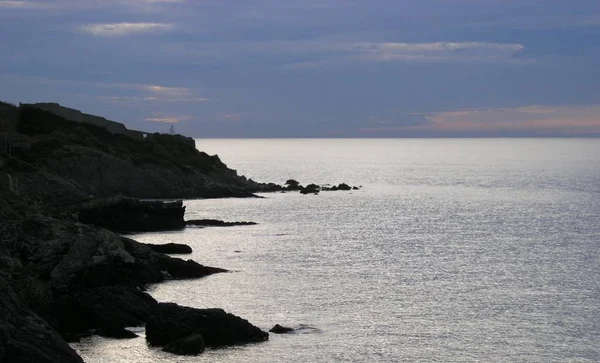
453	250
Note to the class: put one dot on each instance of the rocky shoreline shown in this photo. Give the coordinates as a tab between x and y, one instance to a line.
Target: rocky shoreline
67	193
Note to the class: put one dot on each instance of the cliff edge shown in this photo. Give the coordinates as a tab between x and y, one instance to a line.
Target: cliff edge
60	161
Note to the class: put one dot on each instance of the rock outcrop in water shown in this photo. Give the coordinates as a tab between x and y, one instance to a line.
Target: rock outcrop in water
279	329
171	248
293	185
311	189
172	322
62	279
216	223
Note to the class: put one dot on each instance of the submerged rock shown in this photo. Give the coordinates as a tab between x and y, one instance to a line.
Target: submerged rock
216	223
218	328
279	329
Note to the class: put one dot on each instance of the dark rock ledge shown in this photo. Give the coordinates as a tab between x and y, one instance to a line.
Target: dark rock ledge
61	280
216	223
173	323
280	329
123	214
170	248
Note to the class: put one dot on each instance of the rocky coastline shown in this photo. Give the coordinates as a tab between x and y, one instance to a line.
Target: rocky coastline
68	193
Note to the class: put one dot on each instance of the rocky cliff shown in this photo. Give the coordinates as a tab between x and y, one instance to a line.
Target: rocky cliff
66	162
61	278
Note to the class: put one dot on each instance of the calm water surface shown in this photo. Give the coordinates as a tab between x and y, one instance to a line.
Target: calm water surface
453	251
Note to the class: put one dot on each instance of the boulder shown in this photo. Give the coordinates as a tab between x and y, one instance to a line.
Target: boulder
193	344
344	186
311	189
292	184
279	329
170	248
218	328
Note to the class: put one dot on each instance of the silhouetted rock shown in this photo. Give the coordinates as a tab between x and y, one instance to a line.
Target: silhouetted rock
341	186
79	277
170	248
25	337
278	329
84	159
218	328
60	276
344	186
192	344
180	269
108	309
216	223
293	185
311	189
133	215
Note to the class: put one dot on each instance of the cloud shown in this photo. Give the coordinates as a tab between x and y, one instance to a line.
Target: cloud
533	120
306	54
123	29
30	5
149	93
74	5
168	119
437	51
331	54
169	91
133	100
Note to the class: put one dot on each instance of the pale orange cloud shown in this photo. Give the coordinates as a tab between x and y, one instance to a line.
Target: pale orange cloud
534	119
168	119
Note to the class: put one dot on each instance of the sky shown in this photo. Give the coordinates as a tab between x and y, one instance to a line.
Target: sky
311	68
